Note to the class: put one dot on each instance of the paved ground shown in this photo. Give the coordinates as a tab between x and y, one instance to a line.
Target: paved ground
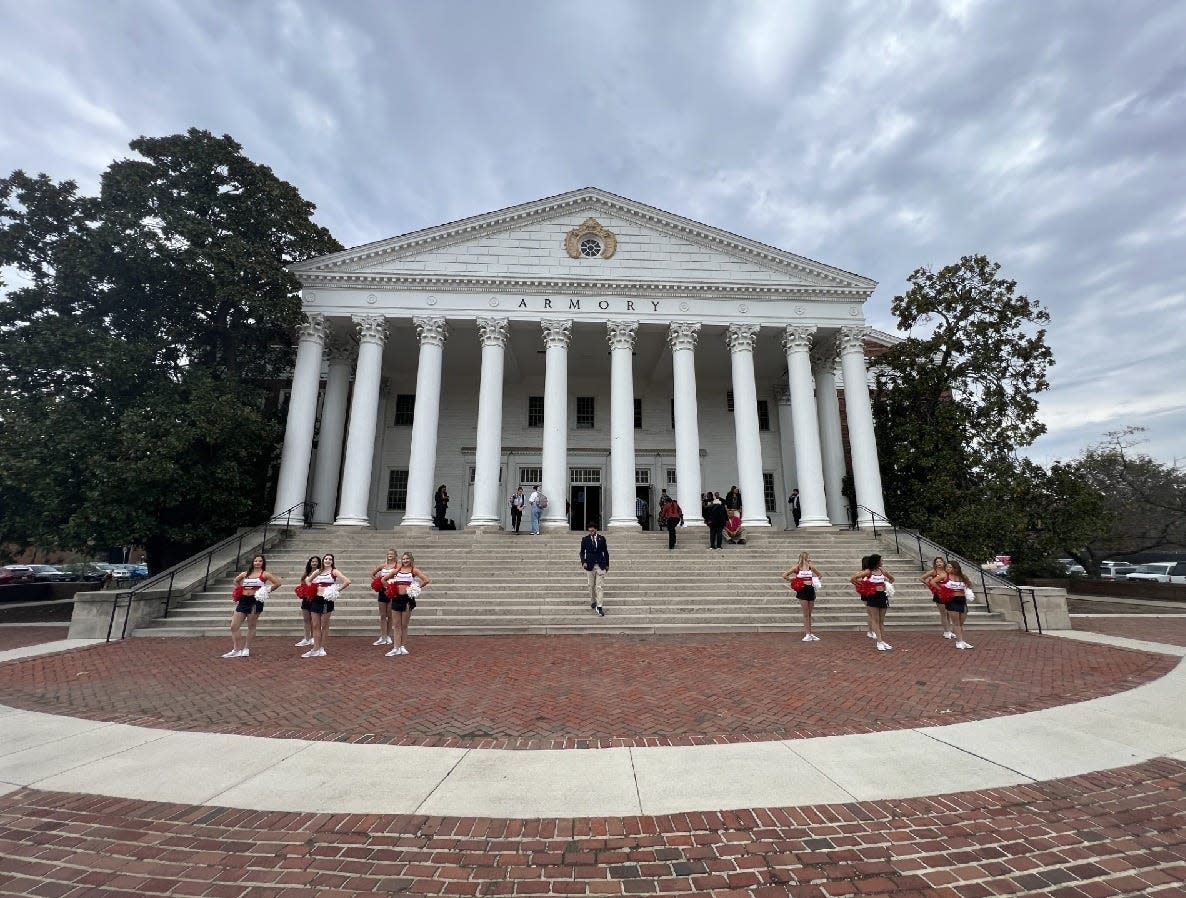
14	637
1117	833
1164	629
573	692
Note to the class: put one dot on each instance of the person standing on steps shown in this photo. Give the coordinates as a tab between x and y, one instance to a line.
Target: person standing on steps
537	503
733	500
403	585
795	505
953	589
716	519
252	587
673	516
872	583
932	578
802	579
306	592
518	500
378	575
329	582
595	561
441	505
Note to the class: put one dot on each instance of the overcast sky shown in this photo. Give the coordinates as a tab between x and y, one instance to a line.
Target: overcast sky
873	136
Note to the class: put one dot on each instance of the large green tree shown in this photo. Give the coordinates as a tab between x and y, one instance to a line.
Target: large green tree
140	336
955	399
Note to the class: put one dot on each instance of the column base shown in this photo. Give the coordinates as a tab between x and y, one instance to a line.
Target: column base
624	524
754	522
482	526
553	525
416	521
813	522
352	522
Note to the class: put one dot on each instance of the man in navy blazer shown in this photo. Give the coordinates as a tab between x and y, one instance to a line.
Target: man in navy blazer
595	561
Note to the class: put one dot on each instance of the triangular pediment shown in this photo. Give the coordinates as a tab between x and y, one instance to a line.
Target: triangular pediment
549	241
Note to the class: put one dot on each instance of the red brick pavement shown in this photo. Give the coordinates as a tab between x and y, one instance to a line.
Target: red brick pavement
1170	630
19	637
1114	833
573	692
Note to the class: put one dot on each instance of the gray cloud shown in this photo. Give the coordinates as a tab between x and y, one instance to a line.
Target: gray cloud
874	137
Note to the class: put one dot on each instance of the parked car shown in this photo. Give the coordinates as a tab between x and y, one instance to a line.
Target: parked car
16	573
1156	571
128	572
1071	569
1116	570
47	573
87	571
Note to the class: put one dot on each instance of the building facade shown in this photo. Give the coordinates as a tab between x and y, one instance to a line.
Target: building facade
602	348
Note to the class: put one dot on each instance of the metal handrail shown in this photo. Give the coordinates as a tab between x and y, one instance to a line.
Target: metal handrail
934	549
206	556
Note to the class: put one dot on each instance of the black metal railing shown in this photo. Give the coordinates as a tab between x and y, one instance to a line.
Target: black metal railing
278	522
933	549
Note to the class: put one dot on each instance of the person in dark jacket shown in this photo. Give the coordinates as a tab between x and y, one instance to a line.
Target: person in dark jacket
717	517
595	561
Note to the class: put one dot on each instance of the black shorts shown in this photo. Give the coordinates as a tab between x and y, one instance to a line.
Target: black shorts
321	606
383	597
958	606
403	603
806	594
878	600
249	605
305	604
936	599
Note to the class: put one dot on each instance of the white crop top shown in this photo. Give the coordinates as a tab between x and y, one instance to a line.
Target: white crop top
252	582
324	579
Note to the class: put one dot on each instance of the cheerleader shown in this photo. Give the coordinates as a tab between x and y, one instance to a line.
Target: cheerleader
252	587
378	575
953	590
402	585
329	582
306	592
931	579
802	578
870	582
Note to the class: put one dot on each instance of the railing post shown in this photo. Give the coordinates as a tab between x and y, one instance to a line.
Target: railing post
897	548
238	551
206	579
1021	601
169	594
922	565
1037	616
111	623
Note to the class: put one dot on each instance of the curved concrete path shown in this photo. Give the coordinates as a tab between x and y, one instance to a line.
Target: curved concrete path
46	751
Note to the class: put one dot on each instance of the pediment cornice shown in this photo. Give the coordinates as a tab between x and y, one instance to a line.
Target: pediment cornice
593	201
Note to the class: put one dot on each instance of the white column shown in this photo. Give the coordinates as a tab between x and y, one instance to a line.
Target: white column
786	445
488	451
862	439
302	413
823	362
327	467
620	335
422	456
353	504
741	339
797	343
682	337
557	336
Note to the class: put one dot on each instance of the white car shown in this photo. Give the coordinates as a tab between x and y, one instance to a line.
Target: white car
1116	570
1161	572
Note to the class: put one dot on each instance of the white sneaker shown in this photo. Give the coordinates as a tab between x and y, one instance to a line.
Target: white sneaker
312	653
963	645
244	653
320	653
403	649
882	647
871	634
387	640
887	646
233	653
382	640
814	638
304	642
807	638
395	651
947	634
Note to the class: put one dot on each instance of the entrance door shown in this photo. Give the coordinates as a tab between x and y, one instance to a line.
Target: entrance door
644	493
585	507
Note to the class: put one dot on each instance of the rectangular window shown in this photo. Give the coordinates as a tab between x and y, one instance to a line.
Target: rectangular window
405	409
729	401
637	413
585	413
763	415
529	477
535	411
642	476
584	475
397	491
671	476
768	492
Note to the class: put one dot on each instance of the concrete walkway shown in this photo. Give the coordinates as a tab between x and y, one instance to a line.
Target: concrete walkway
66	754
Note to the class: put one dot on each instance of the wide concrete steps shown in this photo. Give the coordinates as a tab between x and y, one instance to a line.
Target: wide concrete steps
495	583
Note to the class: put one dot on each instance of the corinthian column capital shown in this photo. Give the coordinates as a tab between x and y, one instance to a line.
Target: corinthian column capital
620	334
852	339
683	334
493	331
797	339
557	333
371	328
431	331
741	337
312	328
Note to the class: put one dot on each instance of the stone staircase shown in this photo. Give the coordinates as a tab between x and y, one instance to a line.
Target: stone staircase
503	583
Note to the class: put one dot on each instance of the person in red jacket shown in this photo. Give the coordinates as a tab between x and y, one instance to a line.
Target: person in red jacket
673	516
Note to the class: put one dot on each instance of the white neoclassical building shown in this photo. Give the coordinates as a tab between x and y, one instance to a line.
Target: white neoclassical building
592	344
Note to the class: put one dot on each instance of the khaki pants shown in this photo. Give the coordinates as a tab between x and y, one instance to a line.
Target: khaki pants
596	584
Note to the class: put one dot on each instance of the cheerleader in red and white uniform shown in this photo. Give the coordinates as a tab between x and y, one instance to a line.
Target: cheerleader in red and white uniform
306	592
953	590
329	582
399	584
378	575
801	578
931	579
252	587
871	584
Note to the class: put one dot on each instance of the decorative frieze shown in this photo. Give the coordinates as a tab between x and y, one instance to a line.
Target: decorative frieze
493	331
371	328
431	331
312	328
741	337
621	334
557	333
797	339
852	339
683	334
